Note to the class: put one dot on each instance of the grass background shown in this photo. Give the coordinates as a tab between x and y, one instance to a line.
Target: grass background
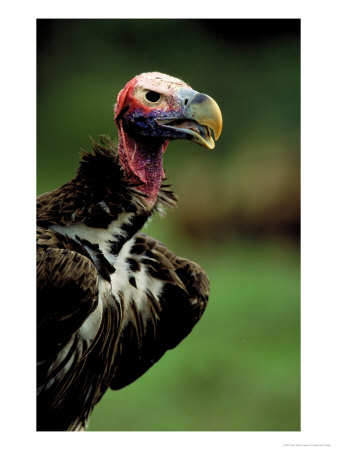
239	211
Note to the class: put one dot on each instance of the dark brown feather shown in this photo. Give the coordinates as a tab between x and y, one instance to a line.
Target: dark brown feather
77	200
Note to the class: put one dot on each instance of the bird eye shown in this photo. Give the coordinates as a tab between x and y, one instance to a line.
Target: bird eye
152	96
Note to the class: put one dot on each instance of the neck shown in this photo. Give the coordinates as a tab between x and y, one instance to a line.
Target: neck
143	163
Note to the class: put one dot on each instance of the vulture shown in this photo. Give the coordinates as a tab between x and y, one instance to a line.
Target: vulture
110	299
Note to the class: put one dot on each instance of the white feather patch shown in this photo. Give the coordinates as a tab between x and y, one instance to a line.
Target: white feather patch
144	282
119	280
100	236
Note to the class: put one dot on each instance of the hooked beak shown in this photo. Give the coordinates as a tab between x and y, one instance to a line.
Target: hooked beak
201	117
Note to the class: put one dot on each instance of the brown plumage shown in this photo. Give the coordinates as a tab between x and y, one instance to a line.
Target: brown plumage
111	301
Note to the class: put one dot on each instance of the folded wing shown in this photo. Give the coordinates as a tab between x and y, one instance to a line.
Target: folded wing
157	319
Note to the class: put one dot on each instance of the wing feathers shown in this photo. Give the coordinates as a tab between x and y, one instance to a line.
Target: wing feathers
157	321
154	300
67	292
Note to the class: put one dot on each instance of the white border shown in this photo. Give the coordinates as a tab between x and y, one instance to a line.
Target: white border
319	224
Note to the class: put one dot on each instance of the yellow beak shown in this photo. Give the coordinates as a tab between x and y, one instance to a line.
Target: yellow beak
200	117
204	110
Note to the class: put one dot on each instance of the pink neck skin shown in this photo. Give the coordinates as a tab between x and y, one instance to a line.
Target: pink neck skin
143	165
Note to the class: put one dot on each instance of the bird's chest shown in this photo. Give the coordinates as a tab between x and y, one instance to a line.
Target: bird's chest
123	278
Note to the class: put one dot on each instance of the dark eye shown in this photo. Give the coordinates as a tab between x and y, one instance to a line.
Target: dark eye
152	96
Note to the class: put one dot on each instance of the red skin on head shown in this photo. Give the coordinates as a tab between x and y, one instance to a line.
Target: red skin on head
152	81
143	165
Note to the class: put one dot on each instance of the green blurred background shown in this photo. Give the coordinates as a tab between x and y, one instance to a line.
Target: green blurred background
239	210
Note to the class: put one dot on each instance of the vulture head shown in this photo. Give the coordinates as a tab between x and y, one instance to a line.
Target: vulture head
152	109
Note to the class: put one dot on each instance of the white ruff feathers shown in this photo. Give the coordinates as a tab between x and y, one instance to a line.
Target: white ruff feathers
119	280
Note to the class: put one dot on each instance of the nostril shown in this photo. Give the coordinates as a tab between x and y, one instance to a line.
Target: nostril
186	101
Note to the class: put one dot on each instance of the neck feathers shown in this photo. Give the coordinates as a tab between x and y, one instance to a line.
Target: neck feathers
101	191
